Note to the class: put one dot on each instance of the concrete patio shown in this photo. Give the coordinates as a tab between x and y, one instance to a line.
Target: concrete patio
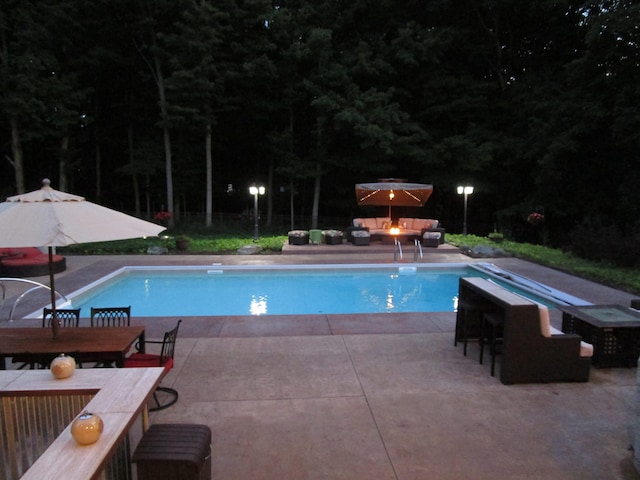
379	397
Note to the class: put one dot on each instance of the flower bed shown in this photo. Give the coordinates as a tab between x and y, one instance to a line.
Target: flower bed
535	218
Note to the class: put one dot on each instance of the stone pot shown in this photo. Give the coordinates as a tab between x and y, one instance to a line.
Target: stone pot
182	244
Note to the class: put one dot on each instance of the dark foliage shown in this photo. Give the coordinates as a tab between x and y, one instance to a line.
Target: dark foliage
533	103
606	244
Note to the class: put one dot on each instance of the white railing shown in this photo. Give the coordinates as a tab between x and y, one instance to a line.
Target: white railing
37	285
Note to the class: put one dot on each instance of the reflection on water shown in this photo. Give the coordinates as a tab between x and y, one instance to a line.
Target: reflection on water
258	305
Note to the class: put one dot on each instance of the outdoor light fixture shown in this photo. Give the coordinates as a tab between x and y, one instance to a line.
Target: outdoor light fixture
255	191
466	191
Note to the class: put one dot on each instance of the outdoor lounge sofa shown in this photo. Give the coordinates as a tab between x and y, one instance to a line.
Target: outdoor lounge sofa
380	226
531	349
28	262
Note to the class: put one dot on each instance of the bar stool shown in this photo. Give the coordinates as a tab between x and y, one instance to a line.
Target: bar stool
494	321
470	310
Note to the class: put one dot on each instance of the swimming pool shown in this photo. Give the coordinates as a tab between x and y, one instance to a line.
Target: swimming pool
293	289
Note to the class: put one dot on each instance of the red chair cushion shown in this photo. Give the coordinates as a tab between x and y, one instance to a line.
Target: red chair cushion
139	360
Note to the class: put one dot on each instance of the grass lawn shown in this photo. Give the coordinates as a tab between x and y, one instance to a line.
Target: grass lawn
627	279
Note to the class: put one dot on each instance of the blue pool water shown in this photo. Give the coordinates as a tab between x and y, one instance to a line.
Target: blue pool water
155	291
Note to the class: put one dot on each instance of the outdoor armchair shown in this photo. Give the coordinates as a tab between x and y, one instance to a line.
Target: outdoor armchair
163	396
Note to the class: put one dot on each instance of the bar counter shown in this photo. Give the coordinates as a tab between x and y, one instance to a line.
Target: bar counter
46	406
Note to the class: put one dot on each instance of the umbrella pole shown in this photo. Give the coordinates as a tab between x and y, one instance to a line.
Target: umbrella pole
55	324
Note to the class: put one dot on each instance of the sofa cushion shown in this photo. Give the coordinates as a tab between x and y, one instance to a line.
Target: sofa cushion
417	223
370	223
545	321
420	223
586	349
405	223
424	223
382	221
432	235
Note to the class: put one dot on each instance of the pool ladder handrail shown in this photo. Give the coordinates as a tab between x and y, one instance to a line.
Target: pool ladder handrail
417	249
397	249
23	294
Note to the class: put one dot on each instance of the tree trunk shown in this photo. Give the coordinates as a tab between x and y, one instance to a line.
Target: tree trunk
16	152
291	203
316	196
209	167
63	183
134	176
147	195
164	116
136	193
269	195
169	174
98	171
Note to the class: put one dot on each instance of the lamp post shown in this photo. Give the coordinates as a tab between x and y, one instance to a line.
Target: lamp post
255	191
466	191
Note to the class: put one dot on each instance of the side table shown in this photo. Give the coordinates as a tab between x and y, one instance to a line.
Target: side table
613	330
315	236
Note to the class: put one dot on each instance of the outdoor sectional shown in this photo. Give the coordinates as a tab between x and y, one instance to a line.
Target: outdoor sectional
380	227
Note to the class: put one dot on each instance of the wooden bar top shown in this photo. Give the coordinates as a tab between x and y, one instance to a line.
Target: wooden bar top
501	294
121	396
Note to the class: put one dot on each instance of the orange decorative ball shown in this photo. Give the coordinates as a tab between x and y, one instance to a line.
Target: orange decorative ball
87	428
62	366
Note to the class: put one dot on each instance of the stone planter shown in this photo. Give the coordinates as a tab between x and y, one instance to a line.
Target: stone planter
182	244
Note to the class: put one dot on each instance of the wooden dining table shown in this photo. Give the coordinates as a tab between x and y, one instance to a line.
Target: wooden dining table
113	342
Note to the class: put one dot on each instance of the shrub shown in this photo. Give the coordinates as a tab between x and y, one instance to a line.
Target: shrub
605	244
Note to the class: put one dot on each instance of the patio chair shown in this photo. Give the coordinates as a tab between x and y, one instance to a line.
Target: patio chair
111	316
163	396
69	317
108	317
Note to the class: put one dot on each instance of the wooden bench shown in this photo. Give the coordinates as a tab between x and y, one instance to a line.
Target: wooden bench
531	350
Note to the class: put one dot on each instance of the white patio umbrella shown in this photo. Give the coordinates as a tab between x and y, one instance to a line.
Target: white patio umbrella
392	192
50	218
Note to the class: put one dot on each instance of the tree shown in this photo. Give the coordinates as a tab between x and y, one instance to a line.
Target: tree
199	66
157	15
41	95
